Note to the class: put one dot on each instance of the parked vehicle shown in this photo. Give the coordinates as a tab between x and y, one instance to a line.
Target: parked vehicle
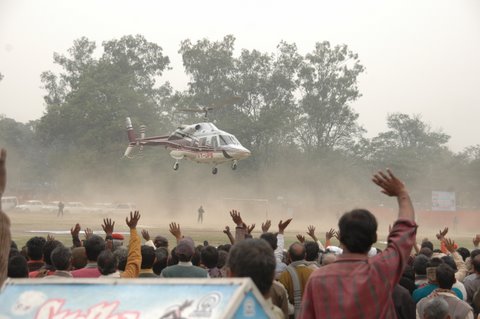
32	206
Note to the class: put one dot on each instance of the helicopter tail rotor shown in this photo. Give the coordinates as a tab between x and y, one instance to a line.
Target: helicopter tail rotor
132	138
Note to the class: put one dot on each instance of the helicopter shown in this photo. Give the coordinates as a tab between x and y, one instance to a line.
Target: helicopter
201	143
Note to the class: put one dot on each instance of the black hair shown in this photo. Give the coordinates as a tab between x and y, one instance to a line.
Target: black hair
474	253
476	263
296	251
61	257
358	230
225	247
427	244
173	258
420	264
222	258
79	258
195	258
464	252
311	251
50	246
271	239
17	267
94	246
161	254
445	276
426	252
253	258
449	261
106	262
35	247
121	256
209	257
148	257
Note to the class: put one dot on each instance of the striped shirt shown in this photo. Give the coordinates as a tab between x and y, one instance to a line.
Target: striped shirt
356	286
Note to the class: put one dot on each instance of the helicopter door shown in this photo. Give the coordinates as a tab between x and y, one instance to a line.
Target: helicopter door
214	142
203	142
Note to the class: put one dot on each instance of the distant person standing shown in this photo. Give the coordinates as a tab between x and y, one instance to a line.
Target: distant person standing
60	209
200	215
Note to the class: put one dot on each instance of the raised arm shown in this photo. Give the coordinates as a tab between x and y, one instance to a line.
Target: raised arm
134	259
392	186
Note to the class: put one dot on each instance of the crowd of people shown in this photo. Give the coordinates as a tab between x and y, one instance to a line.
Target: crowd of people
309	279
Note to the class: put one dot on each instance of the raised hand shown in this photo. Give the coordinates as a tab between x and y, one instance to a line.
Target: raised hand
390	184
330	234
175	230
450	245
311	232
88	233
75	230
226	230
301	238
266	225
132	222
476	240
145	235
108	226
441	233
282	225
237	219
50	237
250	228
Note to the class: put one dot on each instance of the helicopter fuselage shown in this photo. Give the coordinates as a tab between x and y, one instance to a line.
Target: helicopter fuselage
201	143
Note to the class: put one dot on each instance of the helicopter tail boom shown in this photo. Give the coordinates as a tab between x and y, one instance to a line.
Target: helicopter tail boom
131	133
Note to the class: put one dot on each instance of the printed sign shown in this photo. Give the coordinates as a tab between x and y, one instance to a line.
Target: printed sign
443	201
131	299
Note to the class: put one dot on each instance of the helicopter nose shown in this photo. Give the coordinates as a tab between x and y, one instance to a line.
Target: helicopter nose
244	153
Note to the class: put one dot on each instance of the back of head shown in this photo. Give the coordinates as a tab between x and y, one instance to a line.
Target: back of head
427	252
271	239
148	257
196	258
420	264
476	264
35	247
222	259
449	261
209	257
445	276
185	250
436	308
160	241
61	258
225	247
79	257
432	266
121	255
464	252
428	244
94	246
106	262
17	267
253	258
358	230
474	253
311	251
296	252
49	247
161	259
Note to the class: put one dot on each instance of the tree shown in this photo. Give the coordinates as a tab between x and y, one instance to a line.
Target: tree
88	101
328	85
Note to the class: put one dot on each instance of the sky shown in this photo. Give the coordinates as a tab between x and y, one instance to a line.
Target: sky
421	56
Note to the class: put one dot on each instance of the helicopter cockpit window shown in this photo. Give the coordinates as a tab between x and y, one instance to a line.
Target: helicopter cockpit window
228	140
223	140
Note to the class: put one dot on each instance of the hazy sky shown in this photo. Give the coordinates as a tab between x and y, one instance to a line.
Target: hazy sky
421	57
